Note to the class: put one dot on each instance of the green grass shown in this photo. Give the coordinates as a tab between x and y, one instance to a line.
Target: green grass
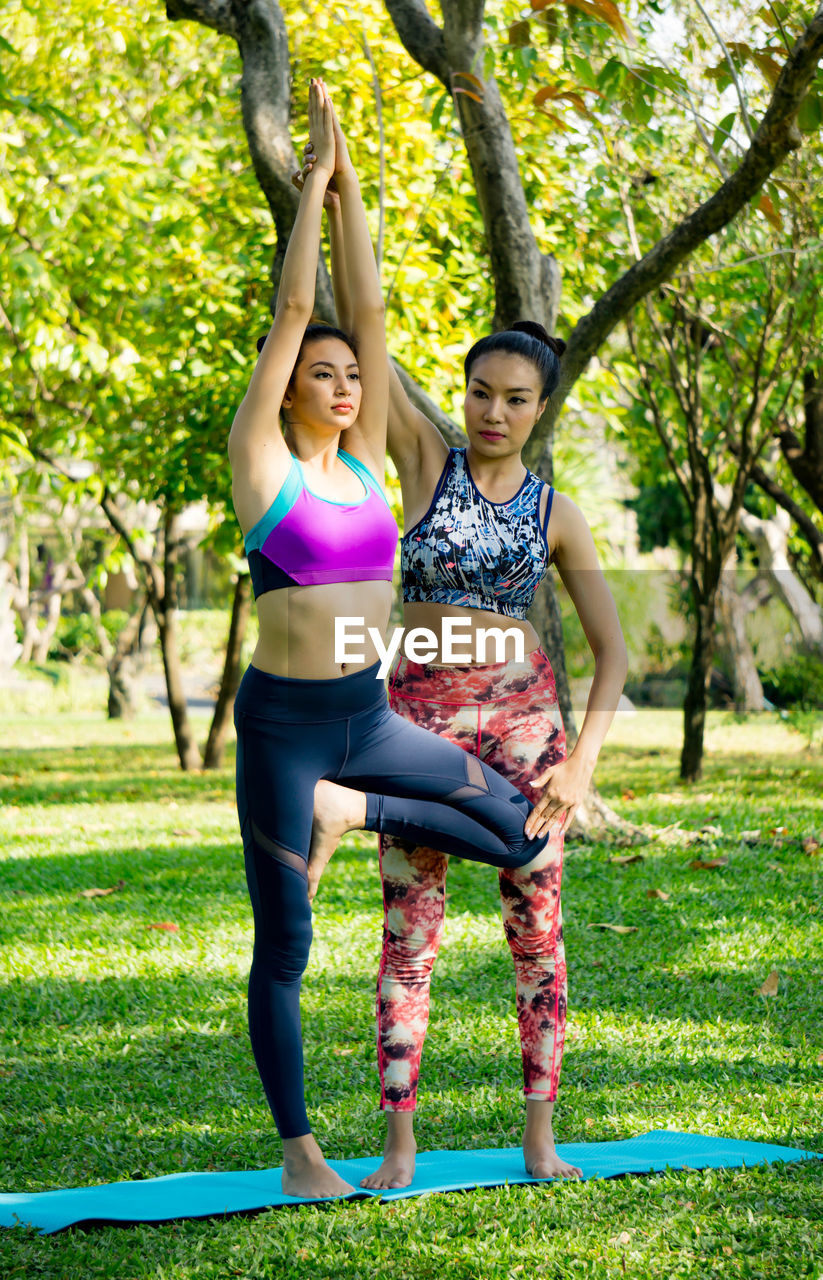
125	1053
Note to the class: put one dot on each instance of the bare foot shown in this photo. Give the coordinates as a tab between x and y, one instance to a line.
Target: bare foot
336	811
542	1160
397	1169
306	1174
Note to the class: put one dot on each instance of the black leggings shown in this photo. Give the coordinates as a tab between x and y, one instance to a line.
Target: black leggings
290	734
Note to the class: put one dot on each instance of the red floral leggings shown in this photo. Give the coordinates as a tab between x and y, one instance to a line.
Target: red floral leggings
508	715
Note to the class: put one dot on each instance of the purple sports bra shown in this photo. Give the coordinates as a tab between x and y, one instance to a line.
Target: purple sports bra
305	540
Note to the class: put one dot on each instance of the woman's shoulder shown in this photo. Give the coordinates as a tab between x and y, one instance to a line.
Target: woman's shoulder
567	529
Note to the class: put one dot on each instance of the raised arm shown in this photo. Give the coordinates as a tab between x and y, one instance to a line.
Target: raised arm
257	451
360	301
412	437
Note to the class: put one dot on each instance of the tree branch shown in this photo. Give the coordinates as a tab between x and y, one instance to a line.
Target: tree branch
152	575
741	97
447	427
468	14
659	423
804	522
217	14
775	138
421	37
259	28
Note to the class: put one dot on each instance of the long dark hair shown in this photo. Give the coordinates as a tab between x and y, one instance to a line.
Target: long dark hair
525	338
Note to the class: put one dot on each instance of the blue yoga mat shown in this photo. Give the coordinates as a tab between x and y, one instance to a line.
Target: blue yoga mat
202	1195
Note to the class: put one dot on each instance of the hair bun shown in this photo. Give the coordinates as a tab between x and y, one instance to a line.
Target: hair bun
535	330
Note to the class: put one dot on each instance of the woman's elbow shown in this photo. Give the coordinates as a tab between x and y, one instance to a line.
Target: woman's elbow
370	313
612	649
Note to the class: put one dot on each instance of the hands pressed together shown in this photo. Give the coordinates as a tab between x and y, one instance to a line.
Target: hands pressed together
326	152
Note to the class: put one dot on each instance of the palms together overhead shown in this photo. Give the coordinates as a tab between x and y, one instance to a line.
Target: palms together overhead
321	127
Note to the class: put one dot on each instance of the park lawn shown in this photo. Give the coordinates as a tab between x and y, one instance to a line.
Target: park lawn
125	1053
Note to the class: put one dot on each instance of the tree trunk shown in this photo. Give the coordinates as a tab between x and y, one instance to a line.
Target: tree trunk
544	616
10	650
805	458
771	539
595	819
124	665
731	610
187	749
221	720
67	577
24	601
694	706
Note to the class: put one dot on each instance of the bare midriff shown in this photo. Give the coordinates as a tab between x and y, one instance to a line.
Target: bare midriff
431	617
297	627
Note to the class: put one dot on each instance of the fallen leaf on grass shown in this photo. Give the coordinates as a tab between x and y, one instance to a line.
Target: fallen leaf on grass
707	864
623	1238
615	928
658	893
773	866
102	893
750	837
628	794
625	859
811	846
187	832
344	1053
770	986
728	1250
165	924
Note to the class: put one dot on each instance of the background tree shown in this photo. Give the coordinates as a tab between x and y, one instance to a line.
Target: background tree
711	378
153	187
125	304
526	279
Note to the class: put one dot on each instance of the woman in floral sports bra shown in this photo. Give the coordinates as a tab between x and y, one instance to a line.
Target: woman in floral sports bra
321	540
481	531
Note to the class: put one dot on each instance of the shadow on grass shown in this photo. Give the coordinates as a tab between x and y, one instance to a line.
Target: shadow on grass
660	969
77	775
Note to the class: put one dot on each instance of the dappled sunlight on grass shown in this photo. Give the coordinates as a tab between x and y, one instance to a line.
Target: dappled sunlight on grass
125	1050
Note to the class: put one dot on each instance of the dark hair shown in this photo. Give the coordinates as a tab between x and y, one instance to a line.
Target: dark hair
525	338
313	333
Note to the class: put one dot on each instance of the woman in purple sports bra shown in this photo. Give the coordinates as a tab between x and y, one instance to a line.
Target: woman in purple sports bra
481	531
321	541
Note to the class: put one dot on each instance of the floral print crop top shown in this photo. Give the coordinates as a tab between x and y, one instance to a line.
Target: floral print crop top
472	552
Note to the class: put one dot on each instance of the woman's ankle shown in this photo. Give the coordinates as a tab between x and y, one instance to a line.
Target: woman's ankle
302	1151
400	1130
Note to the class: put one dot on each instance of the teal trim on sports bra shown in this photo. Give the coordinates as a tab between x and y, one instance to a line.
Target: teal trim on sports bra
282	505
290	491
360	469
